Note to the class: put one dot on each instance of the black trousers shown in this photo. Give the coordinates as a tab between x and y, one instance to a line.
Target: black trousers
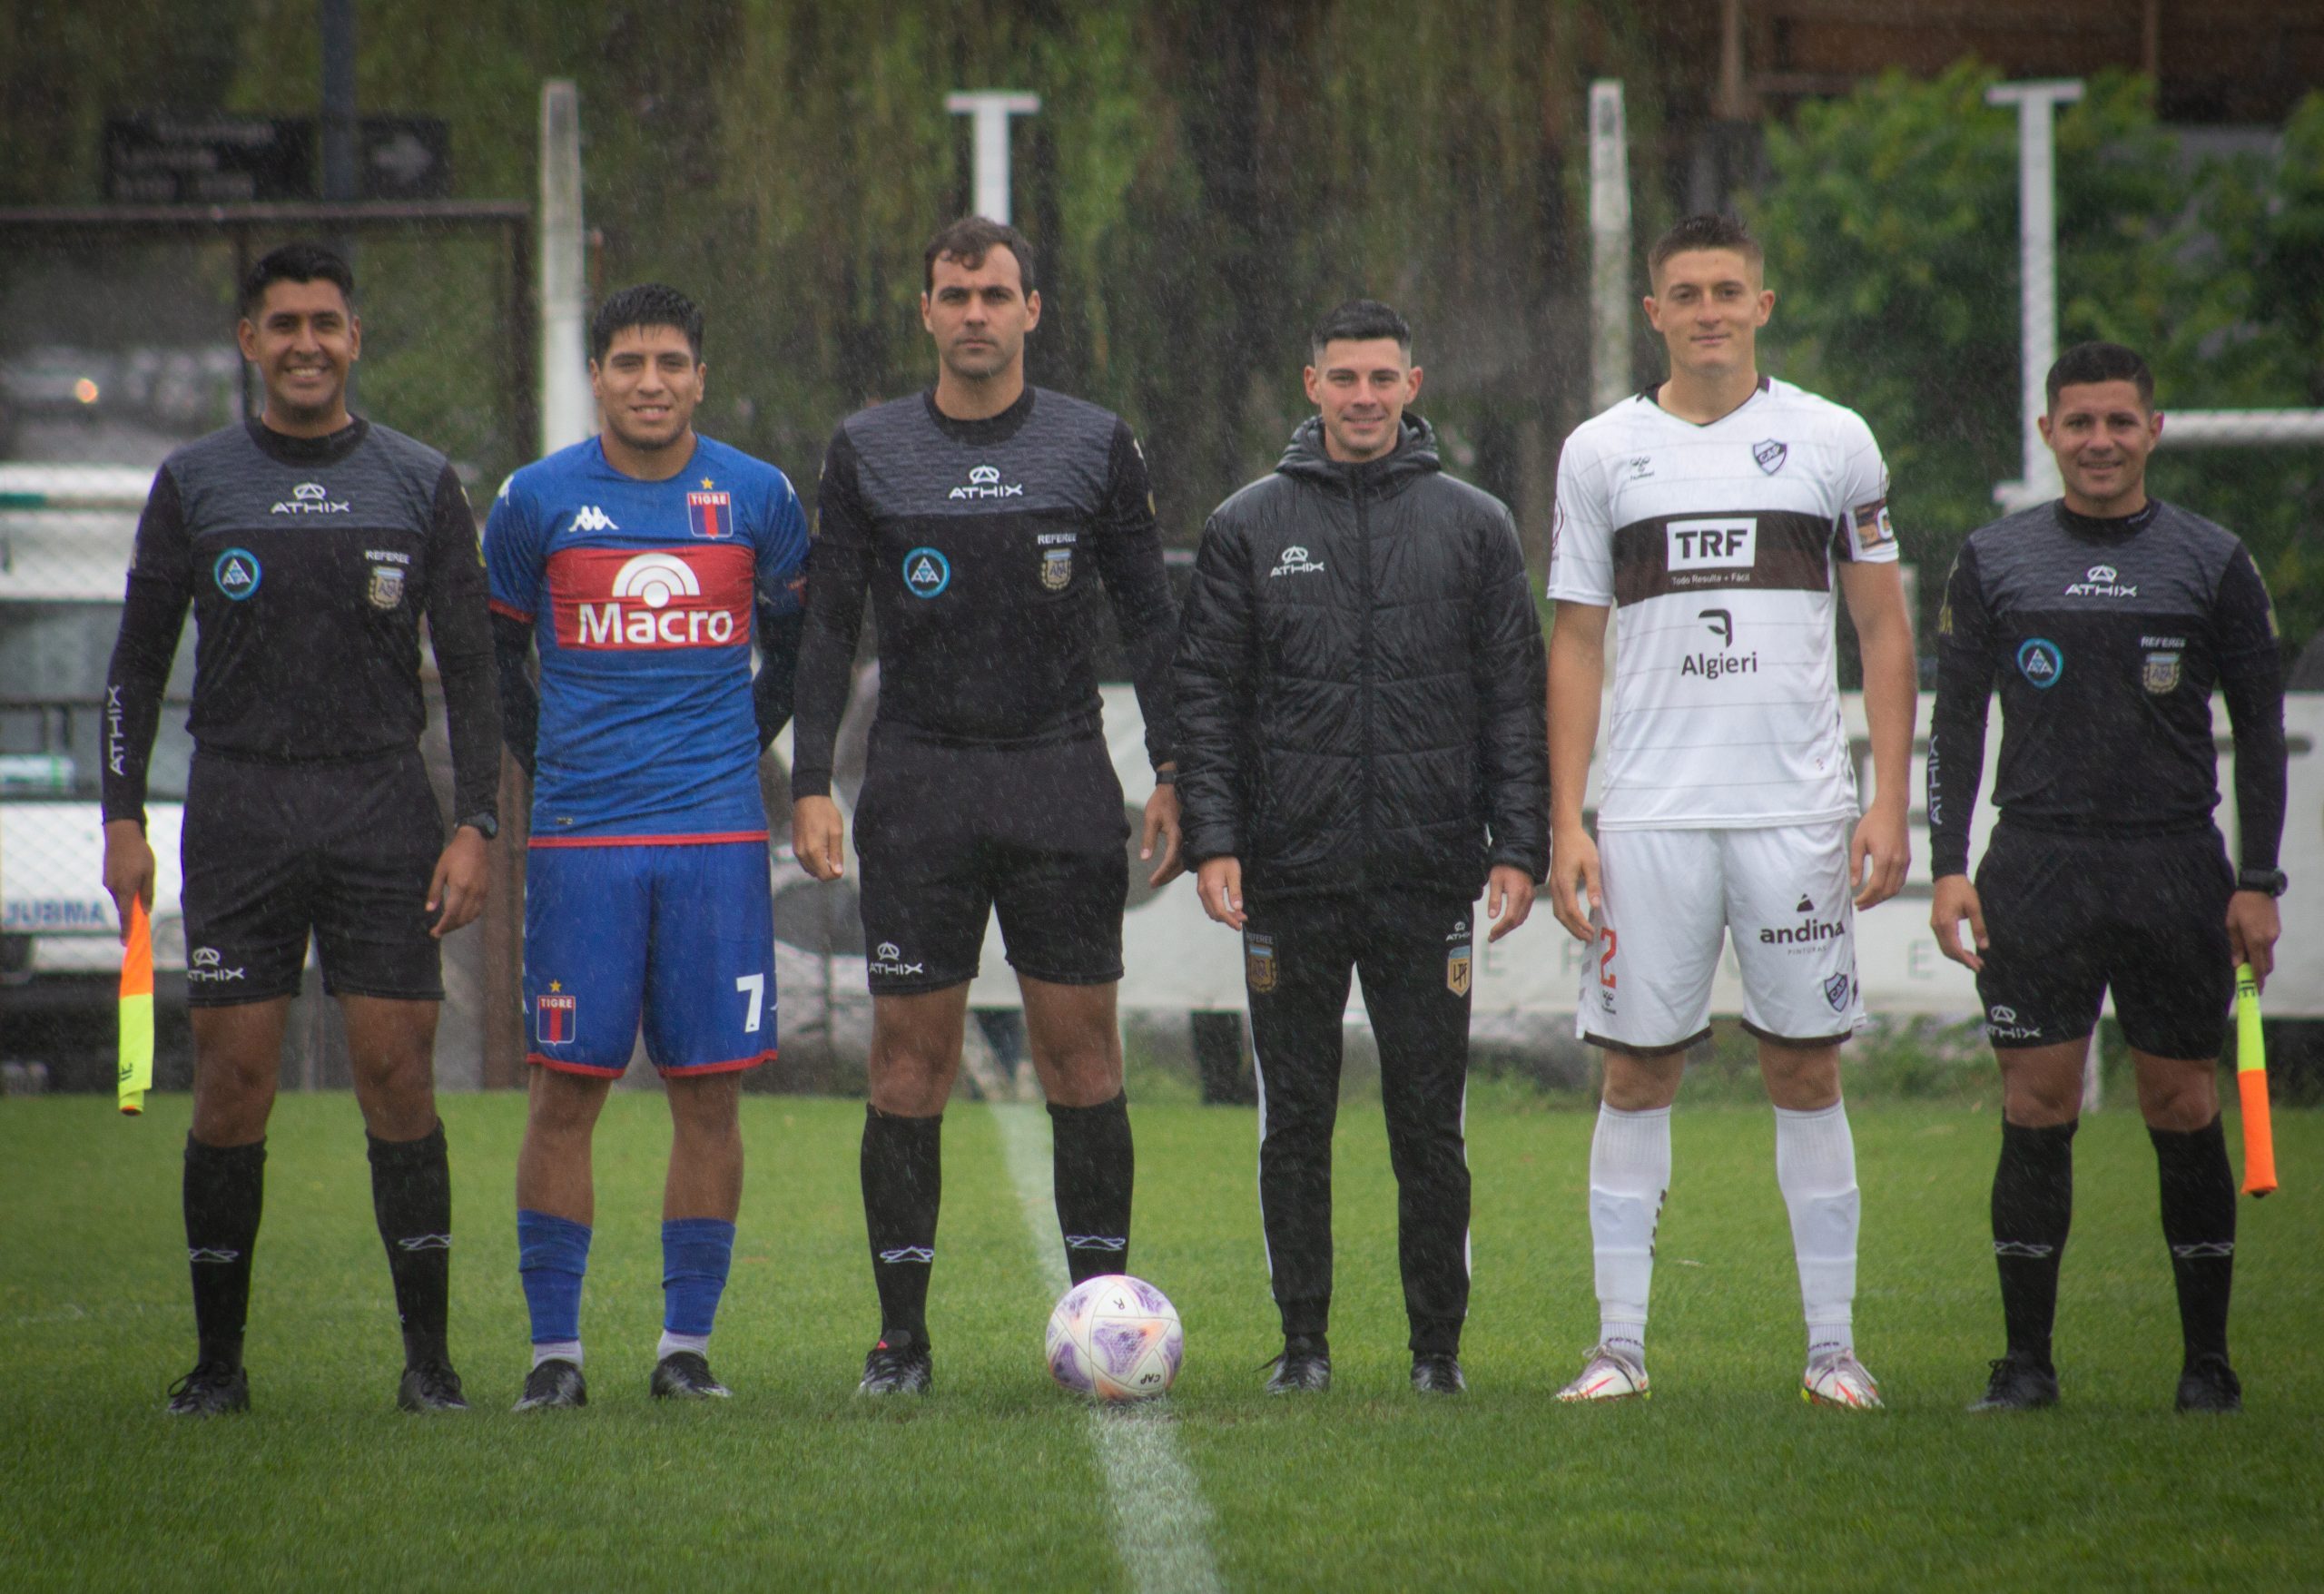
1415	954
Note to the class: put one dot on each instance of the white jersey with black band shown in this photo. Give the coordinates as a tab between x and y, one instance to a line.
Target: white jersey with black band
1718	542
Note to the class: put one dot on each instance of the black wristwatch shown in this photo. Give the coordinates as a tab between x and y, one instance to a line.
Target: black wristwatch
484	824
2270	881
1168	777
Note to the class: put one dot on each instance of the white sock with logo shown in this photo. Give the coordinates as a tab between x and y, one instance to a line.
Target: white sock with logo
1630	1174
1816	1170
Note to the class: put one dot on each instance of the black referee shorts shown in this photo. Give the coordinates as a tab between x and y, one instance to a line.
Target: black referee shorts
2070	917
342	851
947	835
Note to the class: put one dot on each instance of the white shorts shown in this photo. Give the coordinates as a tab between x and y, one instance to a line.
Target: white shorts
1671	896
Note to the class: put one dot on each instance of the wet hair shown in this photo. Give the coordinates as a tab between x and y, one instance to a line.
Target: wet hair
1703	231
2100	362
1359	320
297	262
648	304
967	240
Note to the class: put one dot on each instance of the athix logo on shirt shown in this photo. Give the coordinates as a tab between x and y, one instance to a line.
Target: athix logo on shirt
1712	544
2102	581
984	482
1296	562
312	498
658	598
591	519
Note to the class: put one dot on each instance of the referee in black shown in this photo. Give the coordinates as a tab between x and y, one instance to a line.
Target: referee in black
1362	742
2106	620
982	516
309	543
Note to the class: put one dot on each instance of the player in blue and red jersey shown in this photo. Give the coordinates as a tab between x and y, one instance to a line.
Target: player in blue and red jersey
637	561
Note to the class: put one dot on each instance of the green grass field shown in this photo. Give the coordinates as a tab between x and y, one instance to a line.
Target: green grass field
1724	1480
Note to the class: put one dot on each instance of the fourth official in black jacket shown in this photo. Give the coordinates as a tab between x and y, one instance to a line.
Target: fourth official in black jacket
1361	751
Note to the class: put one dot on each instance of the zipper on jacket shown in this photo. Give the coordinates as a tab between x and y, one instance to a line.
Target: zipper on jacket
1364	665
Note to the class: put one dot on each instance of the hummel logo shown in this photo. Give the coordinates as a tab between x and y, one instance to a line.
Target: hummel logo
2204	1248
909	1253
1097	1243
197	1254
426	1242
591	519
2022	1248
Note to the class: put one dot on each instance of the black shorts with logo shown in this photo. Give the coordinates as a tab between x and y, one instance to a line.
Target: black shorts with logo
949	834
342	851
2071	916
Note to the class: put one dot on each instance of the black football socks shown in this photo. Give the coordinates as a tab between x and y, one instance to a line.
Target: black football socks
2199	1222
411	1196
2032	1209
225	1185
1093	1172
904	1182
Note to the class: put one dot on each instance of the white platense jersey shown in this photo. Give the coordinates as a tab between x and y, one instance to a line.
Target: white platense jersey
1718	543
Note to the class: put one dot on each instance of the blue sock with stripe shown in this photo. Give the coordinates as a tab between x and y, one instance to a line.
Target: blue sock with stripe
696	1253
552	1256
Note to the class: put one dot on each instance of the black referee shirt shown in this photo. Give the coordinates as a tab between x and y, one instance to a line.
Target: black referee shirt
982	543
308	563
2106	639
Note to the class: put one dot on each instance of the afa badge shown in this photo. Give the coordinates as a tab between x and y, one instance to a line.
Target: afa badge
556	1017
1057	568
1458	965
2161	676
386	590
1258	962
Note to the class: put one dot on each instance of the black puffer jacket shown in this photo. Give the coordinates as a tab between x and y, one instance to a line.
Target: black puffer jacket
1360	680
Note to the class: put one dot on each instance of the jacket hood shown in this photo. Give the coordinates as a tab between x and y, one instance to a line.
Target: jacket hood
1414	456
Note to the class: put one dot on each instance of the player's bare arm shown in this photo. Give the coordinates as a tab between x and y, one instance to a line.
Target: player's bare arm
2253	925
456	891
819	837
1219	882
1577	679
1956	903
1509	899
1882	851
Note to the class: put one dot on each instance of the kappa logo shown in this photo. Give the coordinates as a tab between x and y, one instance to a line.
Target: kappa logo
1294	561
2101	581
984	482
312	498
591	518
889	958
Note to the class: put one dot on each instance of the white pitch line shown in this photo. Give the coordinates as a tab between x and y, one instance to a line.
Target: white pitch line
1161	1522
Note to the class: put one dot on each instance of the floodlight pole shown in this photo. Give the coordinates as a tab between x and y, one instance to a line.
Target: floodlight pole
568	412
988	111
2037	269
1610	246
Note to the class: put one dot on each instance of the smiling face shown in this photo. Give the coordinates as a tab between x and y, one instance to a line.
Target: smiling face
2101	433
647	385
979	314
1359	386
304	339
1710	304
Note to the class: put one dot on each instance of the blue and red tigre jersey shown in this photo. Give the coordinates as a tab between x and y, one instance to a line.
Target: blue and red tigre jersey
641	595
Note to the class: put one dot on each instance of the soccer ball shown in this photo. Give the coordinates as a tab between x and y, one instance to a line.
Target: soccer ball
1115	1337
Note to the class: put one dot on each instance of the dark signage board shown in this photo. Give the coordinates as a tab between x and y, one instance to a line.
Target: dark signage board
159	158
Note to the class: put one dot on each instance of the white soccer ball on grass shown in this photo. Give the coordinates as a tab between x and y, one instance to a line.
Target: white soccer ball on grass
1117	1338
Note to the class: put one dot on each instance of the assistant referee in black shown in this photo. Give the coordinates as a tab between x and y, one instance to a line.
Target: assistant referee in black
2106	620
1362	749
309	543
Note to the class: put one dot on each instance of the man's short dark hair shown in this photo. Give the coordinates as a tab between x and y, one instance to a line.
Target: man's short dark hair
1704	232
2100	362
297	262
1359	320
649	304
967	240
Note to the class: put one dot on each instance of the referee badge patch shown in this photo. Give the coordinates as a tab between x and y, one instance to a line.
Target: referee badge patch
386	590
1057	568
2161	676
1258	962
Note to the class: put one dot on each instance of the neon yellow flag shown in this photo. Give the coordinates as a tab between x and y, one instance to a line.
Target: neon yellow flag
136	1073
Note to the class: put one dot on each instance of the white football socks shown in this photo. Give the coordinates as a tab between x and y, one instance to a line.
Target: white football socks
1816	1170
1630	1172
556	1350
699	1343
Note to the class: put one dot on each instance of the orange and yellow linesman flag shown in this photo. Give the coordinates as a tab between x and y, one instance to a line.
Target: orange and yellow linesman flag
136	1073
2252	1085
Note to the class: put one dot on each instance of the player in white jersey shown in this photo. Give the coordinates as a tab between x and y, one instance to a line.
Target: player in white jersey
1718	509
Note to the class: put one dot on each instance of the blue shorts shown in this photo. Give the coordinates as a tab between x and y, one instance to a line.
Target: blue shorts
682	935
